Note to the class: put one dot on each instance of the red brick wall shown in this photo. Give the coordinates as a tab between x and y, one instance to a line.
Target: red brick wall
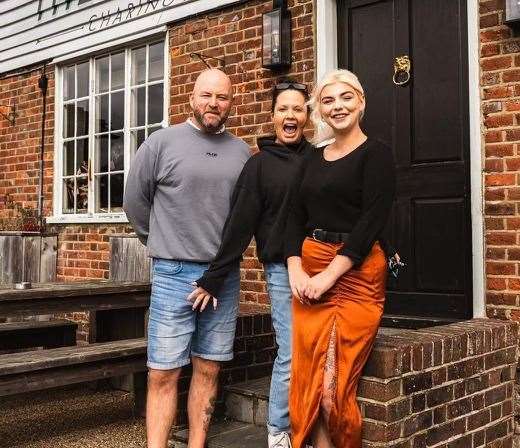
235	35
447	386
500	82
20	144
84	250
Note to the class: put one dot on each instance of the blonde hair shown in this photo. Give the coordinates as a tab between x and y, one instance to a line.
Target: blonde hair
323	133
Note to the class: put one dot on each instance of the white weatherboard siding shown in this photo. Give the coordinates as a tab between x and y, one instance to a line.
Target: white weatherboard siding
37	30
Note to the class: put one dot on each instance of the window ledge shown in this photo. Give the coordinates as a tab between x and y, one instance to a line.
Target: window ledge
88	219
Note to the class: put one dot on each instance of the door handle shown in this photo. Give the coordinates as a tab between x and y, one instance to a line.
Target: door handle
402	66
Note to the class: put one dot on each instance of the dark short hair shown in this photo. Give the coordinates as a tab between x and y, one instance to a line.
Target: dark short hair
276	91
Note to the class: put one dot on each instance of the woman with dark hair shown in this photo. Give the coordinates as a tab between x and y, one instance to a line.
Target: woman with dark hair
260	206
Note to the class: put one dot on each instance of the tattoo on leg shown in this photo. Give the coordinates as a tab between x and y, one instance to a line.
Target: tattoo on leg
208	412
330	363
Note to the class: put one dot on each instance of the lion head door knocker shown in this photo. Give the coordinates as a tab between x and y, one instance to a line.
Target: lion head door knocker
402	67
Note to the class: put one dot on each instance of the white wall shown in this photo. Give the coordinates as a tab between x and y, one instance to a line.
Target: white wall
33	30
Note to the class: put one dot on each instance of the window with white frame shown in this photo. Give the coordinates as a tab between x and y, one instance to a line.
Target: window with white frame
109	105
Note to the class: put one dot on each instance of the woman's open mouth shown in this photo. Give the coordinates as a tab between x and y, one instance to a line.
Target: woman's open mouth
290	129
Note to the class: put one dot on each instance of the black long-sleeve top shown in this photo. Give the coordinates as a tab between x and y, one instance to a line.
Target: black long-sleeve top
353	194
259	207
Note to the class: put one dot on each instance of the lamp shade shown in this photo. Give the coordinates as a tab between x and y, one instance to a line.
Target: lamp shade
512	11
276	39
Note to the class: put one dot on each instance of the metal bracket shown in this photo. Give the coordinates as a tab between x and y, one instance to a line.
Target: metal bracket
203	58
11	115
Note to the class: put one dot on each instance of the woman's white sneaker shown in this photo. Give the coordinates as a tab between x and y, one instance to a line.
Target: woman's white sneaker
281	440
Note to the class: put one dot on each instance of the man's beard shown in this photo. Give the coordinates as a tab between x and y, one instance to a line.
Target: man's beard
209	127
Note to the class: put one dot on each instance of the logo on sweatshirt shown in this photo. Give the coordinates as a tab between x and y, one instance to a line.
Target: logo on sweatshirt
211	154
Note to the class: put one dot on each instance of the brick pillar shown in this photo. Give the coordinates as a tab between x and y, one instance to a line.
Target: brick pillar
448	386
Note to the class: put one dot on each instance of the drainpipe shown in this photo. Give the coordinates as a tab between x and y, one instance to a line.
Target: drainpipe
42	84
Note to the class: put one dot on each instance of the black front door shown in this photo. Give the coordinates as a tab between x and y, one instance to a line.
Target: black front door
425	121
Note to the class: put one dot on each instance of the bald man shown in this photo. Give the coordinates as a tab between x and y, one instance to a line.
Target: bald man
177	198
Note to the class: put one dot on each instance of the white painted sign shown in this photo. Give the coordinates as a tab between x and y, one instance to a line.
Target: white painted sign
37	30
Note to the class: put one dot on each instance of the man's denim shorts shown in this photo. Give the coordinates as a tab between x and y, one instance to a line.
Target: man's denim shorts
175	331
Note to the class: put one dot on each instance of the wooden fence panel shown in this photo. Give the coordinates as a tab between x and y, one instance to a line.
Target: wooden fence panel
11	259
129	259
27	258
31	258
48	259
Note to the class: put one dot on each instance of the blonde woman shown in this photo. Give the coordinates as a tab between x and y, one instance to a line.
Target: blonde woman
337	269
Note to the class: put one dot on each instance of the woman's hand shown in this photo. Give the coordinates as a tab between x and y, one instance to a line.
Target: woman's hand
319	285
322	282
201	297
298	278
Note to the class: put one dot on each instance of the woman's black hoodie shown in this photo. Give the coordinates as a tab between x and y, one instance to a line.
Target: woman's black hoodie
259	207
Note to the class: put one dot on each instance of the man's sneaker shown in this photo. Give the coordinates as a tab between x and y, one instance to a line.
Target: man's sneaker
281	440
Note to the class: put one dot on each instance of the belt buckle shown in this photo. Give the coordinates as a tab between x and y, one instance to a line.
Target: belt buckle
314	234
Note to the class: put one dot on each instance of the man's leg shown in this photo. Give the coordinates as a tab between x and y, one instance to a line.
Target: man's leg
161	405
212	344
201	399
171	325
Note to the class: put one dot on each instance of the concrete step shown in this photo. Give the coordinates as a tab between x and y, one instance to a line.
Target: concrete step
226	434
248	402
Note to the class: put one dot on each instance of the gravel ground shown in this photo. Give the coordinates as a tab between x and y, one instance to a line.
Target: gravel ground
71	417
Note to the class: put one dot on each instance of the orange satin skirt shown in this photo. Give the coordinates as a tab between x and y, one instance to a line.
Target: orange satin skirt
355	305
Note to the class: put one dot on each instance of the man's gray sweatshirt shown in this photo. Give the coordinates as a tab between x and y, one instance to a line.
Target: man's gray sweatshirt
178	192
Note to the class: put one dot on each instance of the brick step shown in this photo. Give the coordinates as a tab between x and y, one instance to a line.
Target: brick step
226	434
248	402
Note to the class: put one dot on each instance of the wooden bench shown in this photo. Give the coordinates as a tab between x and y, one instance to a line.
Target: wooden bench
44	369
117	346
33	333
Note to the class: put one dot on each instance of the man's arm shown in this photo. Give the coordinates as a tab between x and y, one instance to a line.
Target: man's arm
139	191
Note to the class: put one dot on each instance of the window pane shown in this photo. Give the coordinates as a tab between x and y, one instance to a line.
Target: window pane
102	113
136	139
82	74
82	156
138	66
152	129
117	157
118	71
68	158
82	117
155	103
156	63
101	192
68	195
82	194
138	107
68	83
118	111
102	74
101	154
116	192
68	120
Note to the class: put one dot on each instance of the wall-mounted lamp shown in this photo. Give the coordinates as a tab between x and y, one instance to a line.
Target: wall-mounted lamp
512	11
11	115
276	37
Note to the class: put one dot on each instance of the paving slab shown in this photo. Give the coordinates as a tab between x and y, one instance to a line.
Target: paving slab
227	434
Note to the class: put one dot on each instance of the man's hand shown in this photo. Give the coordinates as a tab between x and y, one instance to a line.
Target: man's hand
201	297
318	285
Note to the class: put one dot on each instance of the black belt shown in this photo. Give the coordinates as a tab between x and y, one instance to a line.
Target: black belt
329	237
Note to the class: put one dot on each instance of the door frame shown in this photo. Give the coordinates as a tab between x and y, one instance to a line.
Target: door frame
327	59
